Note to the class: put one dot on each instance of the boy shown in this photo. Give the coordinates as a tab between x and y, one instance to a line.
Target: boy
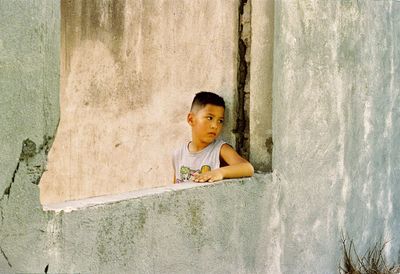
205	158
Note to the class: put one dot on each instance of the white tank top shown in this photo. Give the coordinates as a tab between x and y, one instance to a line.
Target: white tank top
187	163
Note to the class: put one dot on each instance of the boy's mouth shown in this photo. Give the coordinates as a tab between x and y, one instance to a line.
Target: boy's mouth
212	134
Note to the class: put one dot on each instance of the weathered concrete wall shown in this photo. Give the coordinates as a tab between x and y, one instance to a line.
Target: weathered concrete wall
29	88
129	72
336	141
260	84
29	83
218	228
336	154
158	233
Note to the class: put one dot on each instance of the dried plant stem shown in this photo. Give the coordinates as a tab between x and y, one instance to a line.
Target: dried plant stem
372	262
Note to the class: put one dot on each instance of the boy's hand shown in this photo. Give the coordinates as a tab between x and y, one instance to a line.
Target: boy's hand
210	176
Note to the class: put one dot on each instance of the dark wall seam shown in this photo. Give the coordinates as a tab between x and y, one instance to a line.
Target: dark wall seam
242	129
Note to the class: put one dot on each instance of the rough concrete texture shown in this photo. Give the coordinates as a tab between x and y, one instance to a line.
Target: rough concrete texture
29	88
336	155
336	141
29	45
217	228
129	70
260	84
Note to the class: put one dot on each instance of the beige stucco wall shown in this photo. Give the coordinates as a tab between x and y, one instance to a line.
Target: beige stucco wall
129	70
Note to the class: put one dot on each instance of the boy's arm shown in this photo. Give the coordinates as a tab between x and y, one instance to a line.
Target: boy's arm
237	167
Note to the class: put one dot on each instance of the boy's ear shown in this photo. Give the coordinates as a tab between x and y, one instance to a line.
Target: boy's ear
190	118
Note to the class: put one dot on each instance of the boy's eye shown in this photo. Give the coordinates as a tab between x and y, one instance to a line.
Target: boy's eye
221	121
209	118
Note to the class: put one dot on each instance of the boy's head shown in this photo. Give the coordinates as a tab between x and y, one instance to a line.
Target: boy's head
206	117
203	98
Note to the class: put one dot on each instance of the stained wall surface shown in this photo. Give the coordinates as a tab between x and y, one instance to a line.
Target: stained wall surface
29	113
260	84
336	112
335	161
29	84
217	228
129	70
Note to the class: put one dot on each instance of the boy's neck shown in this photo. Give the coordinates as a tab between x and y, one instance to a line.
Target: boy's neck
196	146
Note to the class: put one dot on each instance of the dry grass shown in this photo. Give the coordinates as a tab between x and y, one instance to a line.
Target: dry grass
372	262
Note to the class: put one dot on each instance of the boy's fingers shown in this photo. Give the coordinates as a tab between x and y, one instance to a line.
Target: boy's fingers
202	179
197	177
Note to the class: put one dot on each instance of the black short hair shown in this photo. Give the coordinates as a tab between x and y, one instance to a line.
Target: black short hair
203	98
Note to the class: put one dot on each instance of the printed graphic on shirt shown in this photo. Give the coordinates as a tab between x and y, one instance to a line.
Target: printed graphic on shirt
205	169
186	174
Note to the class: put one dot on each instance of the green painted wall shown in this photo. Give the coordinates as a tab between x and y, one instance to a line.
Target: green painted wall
29	88
29	83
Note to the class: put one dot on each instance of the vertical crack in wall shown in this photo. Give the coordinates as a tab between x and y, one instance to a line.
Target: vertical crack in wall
242	130
8	188
28	151
7	192
5	257
35	160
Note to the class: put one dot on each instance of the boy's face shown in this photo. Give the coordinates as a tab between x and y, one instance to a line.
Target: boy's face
206	123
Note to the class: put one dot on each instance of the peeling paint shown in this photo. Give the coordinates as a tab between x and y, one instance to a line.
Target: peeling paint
28	150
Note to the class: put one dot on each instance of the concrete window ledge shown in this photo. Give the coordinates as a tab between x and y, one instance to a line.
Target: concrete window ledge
73	205
222	227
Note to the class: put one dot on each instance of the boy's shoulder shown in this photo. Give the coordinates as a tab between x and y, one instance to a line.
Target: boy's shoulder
184	148
180	149
219	143
216	144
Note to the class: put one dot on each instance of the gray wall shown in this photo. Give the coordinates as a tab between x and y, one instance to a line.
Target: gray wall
211	229
336	135
336	149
